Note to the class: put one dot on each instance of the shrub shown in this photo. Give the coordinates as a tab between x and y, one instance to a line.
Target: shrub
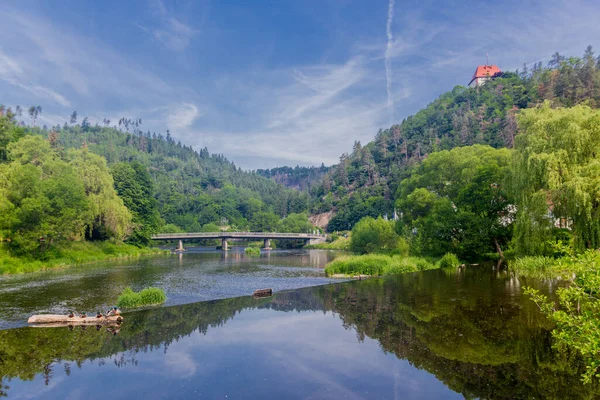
252	251
449	260
146	297
370	235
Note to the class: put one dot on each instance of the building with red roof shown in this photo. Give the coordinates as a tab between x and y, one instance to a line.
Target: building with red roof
482	74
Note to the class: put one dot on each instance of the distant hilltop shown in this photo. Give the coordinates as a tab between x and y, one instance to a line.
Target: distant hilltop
483	73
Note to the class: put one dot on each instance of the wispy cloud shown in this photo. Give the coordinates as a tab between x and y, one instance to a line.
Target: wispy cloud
182	116
12	73
388	62
304	108
170	32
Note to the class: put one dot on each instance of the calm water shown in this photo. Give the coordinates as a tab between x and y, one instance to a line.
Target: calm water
197	275
436	334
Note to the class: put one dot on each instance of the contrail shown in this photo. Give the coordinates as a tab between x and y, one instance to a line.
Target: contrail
388	66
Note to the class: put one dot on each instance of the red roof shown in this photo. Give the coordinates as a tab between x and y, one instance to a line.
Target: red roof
484	71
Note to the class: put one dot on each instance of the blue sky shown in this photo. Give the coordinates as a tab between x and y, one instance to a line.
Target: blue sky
268	83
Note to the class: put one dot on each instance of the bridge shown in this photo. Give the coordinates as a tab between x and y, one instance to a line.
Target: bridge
308	238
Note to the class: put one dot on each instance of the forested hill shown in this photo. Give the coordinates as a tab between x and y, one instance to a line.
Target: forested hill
365	181
192	190
299	178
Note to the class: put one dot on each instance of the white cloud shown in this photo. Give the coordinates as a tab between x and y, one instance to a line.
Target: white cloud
182	116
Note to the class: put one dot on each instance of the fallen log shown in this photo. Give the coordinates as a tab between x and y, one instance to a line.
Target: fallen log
66	320
263	293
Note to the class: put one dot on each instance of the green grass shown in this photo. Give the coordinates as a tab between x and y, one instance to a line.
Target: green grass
252	251
146	297
69	254
377	265
549	267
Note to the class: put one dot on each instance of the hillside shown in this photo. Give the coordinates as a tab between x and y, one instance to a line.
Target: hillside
298	178
365	181
193	190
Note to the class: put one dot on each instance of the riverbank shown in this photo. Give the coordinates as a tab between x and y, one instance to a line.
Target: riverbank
71	254
566	267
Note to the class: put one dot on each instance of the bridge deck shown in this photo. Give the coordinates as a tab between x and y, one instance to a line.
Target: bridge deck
235	235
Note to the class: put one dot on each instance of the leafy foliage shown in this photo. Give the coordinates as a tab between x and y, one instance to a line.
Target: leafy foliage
371	235
557	167
47	196
455	201
134	185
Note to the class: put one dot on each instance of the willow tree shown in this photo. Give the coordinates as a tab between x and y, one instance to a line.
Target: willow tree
556	176
107	216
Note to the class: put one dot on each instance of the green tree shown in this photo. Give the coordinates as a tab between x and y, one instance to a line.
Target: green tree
371	235
556	176
455	201
108	216
134	185
264	221
296	223
42	198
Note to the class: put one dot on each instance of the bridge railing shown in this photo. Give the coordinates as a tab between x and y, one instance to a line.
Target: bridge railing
199	235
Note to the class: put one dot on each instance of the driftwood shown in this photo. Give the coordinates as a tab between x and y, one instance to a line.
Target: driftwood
263	293
66	320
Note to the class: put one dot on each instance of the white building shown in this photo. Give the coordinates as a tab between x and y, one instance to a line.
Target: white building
482	74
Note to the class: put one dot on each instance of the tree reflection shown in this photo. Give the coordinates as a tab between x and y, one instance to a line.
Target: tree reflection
472	329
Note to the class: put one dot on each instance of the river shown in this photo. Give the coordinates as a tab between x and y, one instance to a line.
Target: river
199	274
443	334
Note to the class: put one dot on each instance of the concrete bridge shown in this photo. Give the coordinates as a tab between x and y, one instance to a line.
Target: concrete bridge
308	238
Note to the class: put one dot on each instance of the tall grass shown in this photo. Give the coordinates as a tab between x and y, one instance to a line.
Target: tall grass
69	254
377	265
548	267
146	297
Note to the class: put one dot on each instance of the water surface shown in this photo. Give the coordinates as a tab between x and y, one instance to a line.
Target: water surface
199	274
437	334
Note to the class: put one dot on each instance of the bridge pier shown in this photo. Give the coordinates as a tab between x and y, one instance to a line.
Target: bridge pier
267	244
224	244
180	246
